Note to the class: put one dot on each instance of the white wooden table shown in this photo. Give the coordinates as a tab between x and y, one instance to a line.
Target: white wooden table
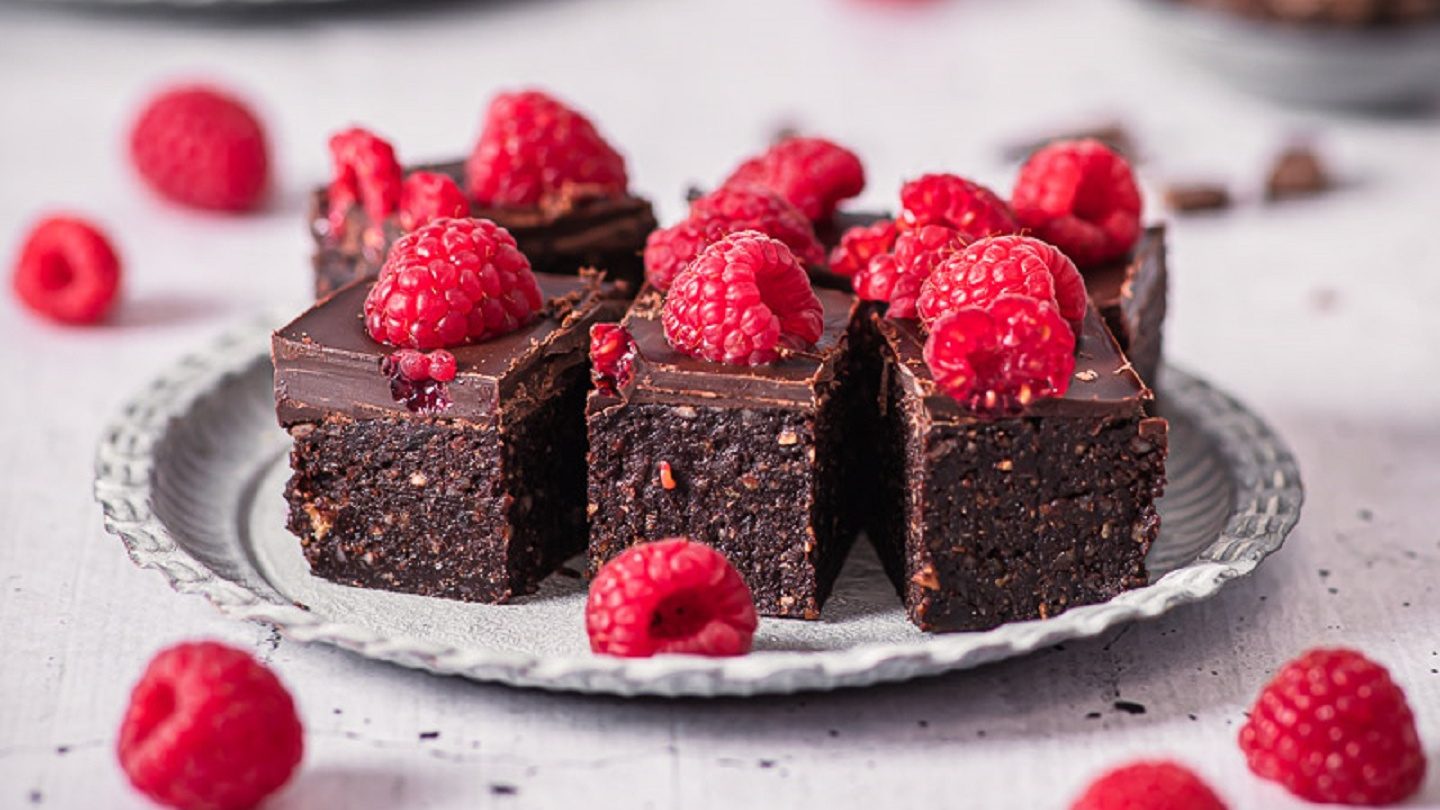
1320	314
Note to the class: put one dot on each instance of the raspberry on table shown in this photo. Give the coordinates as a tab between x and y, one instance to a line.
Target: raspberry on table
1004	264
1149	785
813	174
724	211
366	173
426	196
953	201
533	148
1331	726
859	245
450	282
670	596
1080	196
201	147
742	301
1000	358
612	357
209	728
67	271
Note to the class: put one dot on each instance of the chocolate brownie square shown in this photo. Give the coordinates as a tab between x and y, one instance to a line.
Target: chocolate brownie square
753	460
561	237
984	520
1130	295
472	489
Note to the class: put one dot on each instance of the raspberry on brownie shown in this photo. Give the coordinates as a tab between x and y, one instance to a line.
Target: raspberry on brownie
450	460
540	169
682	445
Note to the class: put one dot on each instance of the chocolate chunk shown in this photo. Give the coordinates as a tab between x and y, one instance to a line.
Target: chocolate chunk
1297	172
1113	134
1196	196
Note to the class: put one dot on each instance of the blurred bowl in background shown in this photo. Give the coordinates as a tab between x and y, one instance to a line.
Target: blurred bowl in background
1381	67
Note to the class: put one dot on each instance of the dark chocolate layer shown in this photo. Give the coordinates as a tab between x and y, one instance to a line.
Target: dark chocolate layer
1131	296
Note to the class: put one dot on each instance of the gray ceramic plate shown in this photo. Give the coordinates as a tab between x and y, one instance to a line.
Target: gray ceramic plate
190	478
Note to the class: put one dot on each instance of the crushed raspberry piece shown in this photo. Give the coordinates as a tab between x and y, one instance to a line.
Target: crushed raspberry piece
427	196
67	271
209	728
612	357
726	211
450	282
418	366
366	173
670	596
1001	358
1081	197
813	174
533	148
1332	727
442	366
1004	264
859	245
199	146
1155	785
743	300
966	206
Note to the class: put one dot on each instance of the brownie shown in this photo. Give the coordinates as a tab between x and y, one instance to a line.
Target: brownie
754	461
1130	295
472	489
604	233
985	520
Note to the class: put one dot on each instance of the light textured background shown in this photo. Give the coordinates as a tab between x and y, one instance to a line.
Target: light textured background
1320	314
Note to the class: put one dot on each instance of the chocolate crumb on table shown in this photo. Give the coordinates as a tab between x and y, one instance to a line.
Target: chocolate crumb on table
1296	172
1188	197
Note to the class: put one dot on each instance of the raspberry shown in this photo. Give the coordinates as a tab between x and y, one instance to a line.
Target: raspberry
859	245
209	728
1081	197
945	199
427	196
1004	264
724	211
533	148
201	147
1149	786
612	357
813	174
1332	727
416	366
898	278
1002	358
366	172
670	596
741	301
450	282
67	271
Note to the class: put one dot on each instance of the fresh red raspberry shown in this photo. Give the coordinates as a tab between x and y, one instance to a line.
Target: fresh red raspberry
209	728
366	173
413	366
1081	197
612	357
813	174
743	300
67	271
897	278
533	148
1003	357
450	282
1332	727
1004	264
859	245
201	147
427	196
725	211
670	596
945	199
1155	785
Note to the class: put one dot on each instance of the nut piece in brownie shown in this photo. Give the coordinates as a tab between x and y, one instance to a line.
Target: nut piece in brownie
990	518
751	459
566	212
464	479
